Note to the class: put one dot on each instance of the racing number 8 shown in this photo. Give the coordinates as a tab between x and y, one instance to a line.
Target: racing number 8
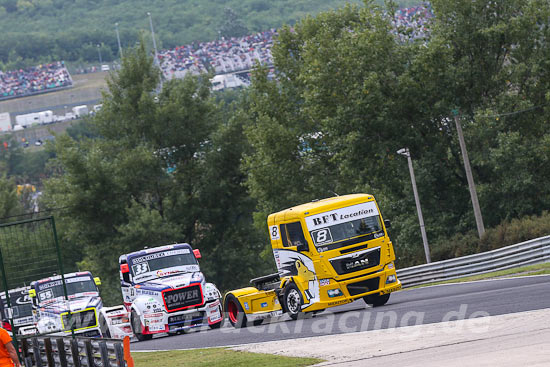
321	236
274	232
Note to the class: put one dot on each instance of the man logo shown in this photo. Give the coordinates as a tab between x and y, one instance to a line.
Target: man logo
357	264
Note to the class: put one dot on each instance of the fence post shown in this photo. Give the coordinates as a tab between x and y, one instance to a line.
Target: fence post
49	352
104	354
61	351
36	352
28	361
25	348
89	353
119	353
75	352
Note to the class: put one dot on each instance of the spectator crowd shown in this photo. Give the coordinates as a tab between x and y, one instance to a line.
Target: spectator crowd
239	54
413	23
32	80
222	56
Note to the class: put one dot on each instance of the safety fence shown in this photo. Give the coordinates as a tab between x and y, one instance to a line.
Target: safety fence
526	253
65	351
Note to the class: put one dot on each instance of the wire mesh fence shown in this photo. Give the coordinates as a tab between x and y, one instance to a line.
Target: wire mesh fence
29	251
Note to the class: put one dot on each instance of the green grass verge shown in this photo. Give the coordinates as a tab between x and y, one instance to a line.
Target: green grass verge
216	357
537	269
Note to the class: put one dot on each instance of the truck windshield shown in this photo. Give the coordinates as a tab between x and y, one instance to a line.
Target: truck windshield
344	227
22	310
176	260
54	289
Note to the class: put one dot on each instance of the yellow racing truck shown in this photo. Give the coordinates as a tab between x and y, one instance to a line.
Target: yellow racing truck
328	253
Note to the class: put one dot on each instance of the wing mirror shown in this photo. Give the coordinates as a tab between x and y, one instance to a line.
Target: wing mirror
197	253
387	223
32	293
97	281
302	247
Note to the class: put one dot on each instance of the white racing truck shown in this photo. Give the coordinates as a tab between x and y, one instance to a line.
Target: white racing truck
21	311
165	292
82	313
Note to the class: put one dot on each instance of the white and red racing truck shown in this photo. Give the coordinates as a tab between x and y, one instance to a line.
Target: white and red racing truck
165	292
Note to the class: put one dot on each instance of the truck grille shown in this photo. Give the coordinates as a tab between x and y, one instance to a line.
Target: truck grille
187	319
181	298
364	286
79	320
350	264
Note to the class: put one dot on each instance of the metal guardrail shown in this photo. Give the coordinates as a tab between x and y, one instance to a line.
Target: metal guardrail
64	351
525	253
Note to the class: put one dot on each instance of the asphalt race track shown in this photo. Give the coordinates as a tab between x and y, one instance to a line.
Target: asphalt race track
408	307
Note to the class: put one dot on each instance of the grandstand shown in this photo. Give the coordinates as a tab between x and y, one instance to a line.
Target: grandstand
238	55
222	56
34	80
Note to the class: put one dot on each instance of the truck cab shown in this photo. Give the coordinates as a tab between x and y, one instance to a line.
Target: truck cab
328	253
21	311
164	291
80	313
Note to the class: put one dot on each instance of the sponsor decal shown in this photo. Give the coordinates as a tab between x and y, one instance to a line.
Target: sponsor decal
246	307
338	302
161	273
175	299
182	296
55	283
324	282
391	289
213	312
264	304
342	215
146	292
157	255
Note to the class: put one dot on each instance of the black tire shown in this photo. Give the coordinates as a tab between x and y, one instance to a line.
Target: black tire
235	312
292	301
136	325
376	300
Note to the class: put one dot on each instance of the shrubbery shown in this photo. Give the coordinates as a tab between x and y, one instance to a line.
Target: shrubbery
505	234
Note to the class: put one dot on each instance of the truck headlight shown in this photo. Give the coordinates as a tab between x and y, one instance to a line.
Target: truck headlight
391	279
334	293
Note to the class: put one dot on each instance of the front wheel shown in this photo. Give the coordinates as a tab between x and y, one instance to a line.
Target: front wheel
292	300
137	328
235	312
376	300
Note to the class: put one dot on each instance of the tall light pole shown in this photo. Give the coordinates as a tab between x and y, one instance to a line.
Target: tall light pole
405	152
118	40
157	62
469	177
99	53
153	35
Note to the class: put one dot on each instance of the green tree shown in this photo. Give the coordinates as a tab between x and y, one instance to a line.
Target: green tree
159	168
